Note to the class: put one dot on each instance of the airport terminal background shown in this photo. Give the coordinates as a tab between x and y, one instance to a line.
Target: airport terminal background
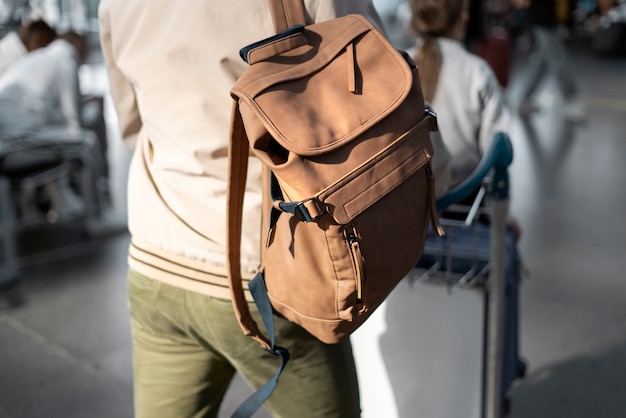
65	347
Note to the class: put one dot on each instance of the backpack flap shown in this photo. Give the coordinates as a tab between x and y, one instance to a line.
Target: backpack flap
316	98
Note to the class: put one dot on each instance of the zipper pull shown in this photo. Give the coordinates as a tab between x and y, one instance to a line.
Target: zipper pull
355	248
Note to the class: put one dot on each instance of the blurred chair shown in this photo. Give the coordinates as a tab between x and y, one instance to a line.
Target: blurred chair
37	166
31	171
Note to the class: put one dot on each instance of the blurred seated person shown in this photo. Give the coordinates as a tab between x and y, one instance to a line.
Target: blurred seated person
42	89
599	12
612	11
15	45
606	26
461	87
40	104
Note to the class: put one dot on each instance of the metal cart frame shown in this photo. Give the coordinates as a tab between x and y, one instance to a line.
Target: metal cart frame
479	263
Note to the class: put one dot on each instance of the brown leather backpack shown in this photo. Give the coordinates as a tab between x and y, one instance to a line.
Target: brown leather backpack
336	115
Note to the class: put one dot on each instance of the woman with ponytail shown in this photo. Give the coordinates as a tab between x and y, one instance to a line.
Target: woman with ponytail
459	86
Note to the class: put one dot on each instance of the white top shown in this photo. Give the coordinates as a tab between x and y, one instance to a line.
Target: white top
11	50
41	89
470	107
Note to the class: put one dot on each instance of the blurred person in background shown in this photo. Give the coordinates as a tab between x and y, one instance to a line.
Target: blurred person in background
31	36
42	89
460	86
40	105
600	11
548	57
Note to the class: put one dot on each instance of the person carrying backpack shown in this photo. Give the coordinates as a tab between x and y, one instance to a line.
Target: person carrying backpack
171	66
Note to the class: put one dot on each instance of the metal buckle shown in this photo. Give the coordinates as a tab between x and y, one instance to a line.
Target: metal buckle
302	213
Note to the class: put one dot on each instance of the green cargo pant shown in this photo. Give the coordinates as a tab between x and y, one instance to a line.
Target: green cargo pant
187	348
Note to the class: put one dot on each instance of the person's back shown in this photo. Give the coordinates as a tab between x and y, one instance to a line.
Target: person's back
179	106
460	86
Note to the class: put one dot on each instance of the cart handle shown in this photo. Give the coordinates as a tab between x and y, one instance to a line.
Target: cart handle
499	155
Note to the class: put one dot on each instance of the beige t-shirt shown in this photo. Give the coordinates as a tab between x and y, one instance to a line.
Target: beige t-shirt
171	66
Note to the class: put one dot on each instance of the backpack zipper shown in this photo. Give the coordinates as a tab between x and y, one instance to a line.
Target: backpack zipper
358	262
434	216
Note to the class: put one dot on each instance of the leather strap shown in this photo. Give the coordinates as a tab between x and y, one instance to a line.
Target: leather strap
286	13
238	152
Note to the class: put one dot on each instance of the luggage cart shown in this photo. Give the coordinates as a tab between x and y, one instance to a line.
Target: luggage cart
479	251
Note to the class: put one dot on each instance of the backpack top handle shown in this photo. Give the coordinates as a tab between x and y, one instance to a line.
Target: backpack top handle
286	13
289	20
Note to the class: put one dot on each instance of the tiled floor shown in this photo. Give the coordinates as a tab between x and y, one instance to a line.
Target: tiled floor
64	331
568	193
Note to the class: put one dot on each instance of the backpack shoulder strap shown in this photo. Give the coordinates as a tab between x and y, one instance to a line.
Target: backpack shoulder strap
238	153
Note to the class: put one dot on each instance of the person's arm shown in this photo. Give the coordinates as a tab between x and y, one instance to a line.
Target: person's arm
121	90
